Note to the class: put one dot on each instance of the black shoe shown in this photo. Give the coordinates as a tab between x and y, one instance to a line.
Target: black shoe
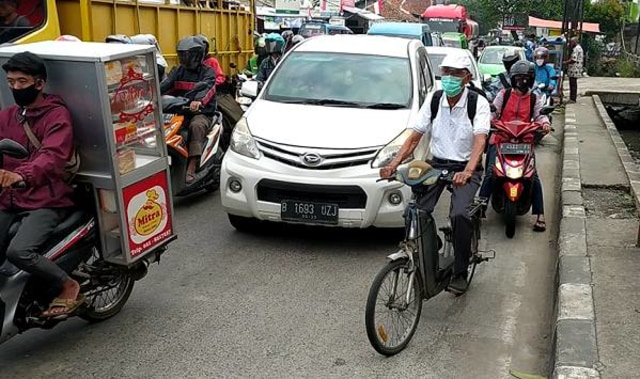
459	285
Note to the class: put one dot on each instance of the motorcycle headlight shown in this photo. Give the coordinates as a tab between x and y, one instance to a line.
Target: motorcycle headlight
244	101
242	142
387	153
513	172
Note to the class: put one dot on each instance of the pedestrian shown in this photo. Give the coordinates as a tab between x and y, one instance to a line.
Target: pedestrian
575	68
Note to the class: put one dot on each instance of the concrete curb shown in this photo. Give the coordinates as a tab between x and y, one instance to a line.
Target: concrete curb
630	167
575	348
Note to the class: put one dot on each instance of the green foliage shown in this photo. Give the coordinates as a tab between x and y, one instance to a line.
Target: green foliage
608	13
628	69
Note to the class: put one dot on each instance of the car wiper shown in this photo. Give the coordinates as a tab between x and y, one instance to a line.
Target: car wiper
332	102
386	106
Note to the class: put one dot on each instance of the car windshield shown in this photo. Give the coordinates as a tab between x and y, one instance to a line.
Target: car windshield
492	56
452	42
443	26
309	30
436	59
342	79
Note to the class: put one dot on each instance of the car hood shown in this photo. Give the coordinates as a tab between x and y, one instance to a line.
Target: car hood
491	69
325	126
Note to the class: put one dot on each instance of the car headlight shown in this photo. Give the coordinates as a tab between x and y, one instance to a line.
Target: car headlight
242	142
387	153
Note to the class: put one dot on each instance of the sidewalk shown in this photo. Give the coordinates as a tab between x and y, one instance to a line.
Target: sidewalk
598	320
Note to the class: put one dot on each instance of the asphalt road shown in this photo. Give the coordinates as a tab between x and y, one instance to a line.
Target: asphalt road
289	302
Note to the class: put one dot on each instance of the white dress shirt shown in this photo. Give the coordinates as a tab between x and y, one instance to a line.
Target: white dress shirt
451	132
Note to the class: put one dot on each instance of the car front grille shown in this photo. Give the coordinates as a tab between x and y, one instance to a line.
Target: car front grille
346	197
321	159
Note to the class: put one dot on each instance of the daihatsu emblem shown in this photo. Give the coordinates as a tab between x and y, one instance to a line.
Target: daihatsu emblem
311	159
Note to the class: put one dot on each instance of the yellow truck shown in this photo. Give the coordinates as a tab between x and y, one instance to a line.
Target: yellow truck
228	22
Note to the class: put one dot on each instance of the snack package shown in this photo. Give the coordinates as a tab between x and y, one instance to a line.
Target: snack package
114	72
125	132
126	160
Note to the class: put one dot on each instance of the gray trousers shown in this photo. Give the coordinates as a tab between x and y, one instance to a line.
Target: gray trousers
461	201
23	251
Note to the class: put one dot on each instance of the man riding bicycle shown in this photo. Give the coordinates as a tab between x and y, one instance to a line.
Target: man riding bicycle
457	143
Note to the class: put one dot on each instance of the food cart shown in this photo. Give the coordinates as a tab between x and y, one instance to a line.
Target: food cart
112	92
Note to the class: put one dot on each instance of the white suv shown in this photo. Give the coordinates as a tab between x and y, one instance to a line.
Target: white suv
309	149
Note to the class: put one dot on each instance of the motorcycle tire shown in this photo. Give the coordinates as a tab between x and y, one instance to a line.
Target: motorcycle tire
93	314
510	214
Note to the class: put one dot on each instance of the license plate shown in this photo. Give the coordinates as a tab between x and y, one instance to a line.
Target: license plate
515	148
306	211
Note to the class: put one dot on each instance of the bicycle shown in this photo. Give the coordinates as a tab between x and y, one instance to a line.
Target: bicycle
424	259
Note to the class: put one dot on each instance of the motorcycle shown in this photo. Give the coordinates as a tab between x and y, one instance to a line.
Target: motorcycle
514	169
541	90
175	113
74	246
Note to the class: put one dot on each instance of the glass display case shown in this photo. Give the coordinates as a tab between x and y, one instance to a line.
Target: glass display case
112	92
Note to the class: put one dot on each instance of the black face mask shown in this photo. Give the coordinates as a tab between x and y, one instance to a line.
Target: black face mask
522	85
25	96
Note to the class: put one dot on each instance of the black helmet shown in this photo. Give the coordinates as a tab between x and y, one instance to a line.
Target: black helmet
519	71
509	58
190	52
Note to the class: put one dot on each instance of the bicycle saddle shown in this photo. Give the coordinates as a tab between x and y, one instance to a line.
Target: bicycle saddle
418	173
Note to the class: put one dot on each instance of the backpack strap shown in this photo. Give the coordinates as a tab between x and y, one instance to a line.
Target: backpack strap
503	80
435	103
27	130
505	99
472	105
532	104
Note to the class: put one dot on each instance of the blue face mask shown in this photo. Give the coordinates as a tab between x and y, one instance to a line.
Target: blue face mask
451	85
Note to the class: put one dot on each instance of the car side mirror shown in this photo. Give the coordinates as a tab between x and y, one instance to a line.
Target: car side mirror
249	89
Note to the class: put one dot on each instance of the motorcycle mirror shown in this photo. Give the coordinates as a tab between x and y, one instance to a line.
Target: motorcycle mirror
546	110
249	89
233	65
13	149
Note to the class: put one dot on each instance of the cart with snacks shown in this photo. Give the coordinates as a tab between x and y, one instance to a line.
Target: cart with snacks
112	93
556	57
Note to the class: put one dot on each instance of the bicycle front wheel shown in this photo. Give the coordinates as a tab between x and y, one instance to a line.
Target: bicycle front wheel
391	317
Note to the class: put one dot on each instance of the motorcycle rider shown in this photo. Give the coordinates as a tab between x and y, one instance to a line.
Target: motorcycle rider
47	198
503	81
457	144
544	71
274	44
287	35
150	39
211	61
183	79
518	106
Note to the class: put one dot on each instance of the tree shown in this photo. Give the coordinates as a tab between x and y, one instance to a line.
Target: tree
608	13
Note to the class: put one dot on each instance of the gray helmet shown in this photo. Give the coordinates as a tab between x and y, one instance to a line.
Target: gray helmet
190	52
204	41
117	38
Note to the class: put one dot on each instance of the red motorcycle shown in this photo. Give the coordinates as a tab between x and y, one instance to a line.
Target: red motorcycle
514	170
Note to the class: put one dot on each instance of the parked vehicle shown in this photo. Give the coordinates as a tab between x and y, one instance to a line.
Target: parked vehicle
444	18
403	30
420	270
176	112
312	142
316	28
457	40
490	62
514	170
437	54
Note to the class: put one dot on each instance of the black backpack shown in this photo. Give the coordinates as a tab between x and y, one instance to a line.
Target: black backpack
507	94
472	102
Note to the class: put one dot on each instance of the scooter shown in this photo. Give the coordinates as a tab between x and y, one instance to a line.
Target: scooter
542	91
514	170
175	113
75	247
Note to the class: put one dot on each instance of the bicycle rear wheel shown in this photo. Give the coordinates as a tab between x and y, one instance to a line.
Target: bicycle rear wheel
390	319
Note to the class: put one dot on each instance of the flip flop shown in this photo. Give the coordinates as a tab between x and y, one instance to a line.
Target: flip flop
69	305
539	226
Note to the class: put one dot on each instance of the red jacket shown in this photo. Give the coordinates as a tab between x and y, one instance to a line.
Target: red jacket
50	121
518	108
215	66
